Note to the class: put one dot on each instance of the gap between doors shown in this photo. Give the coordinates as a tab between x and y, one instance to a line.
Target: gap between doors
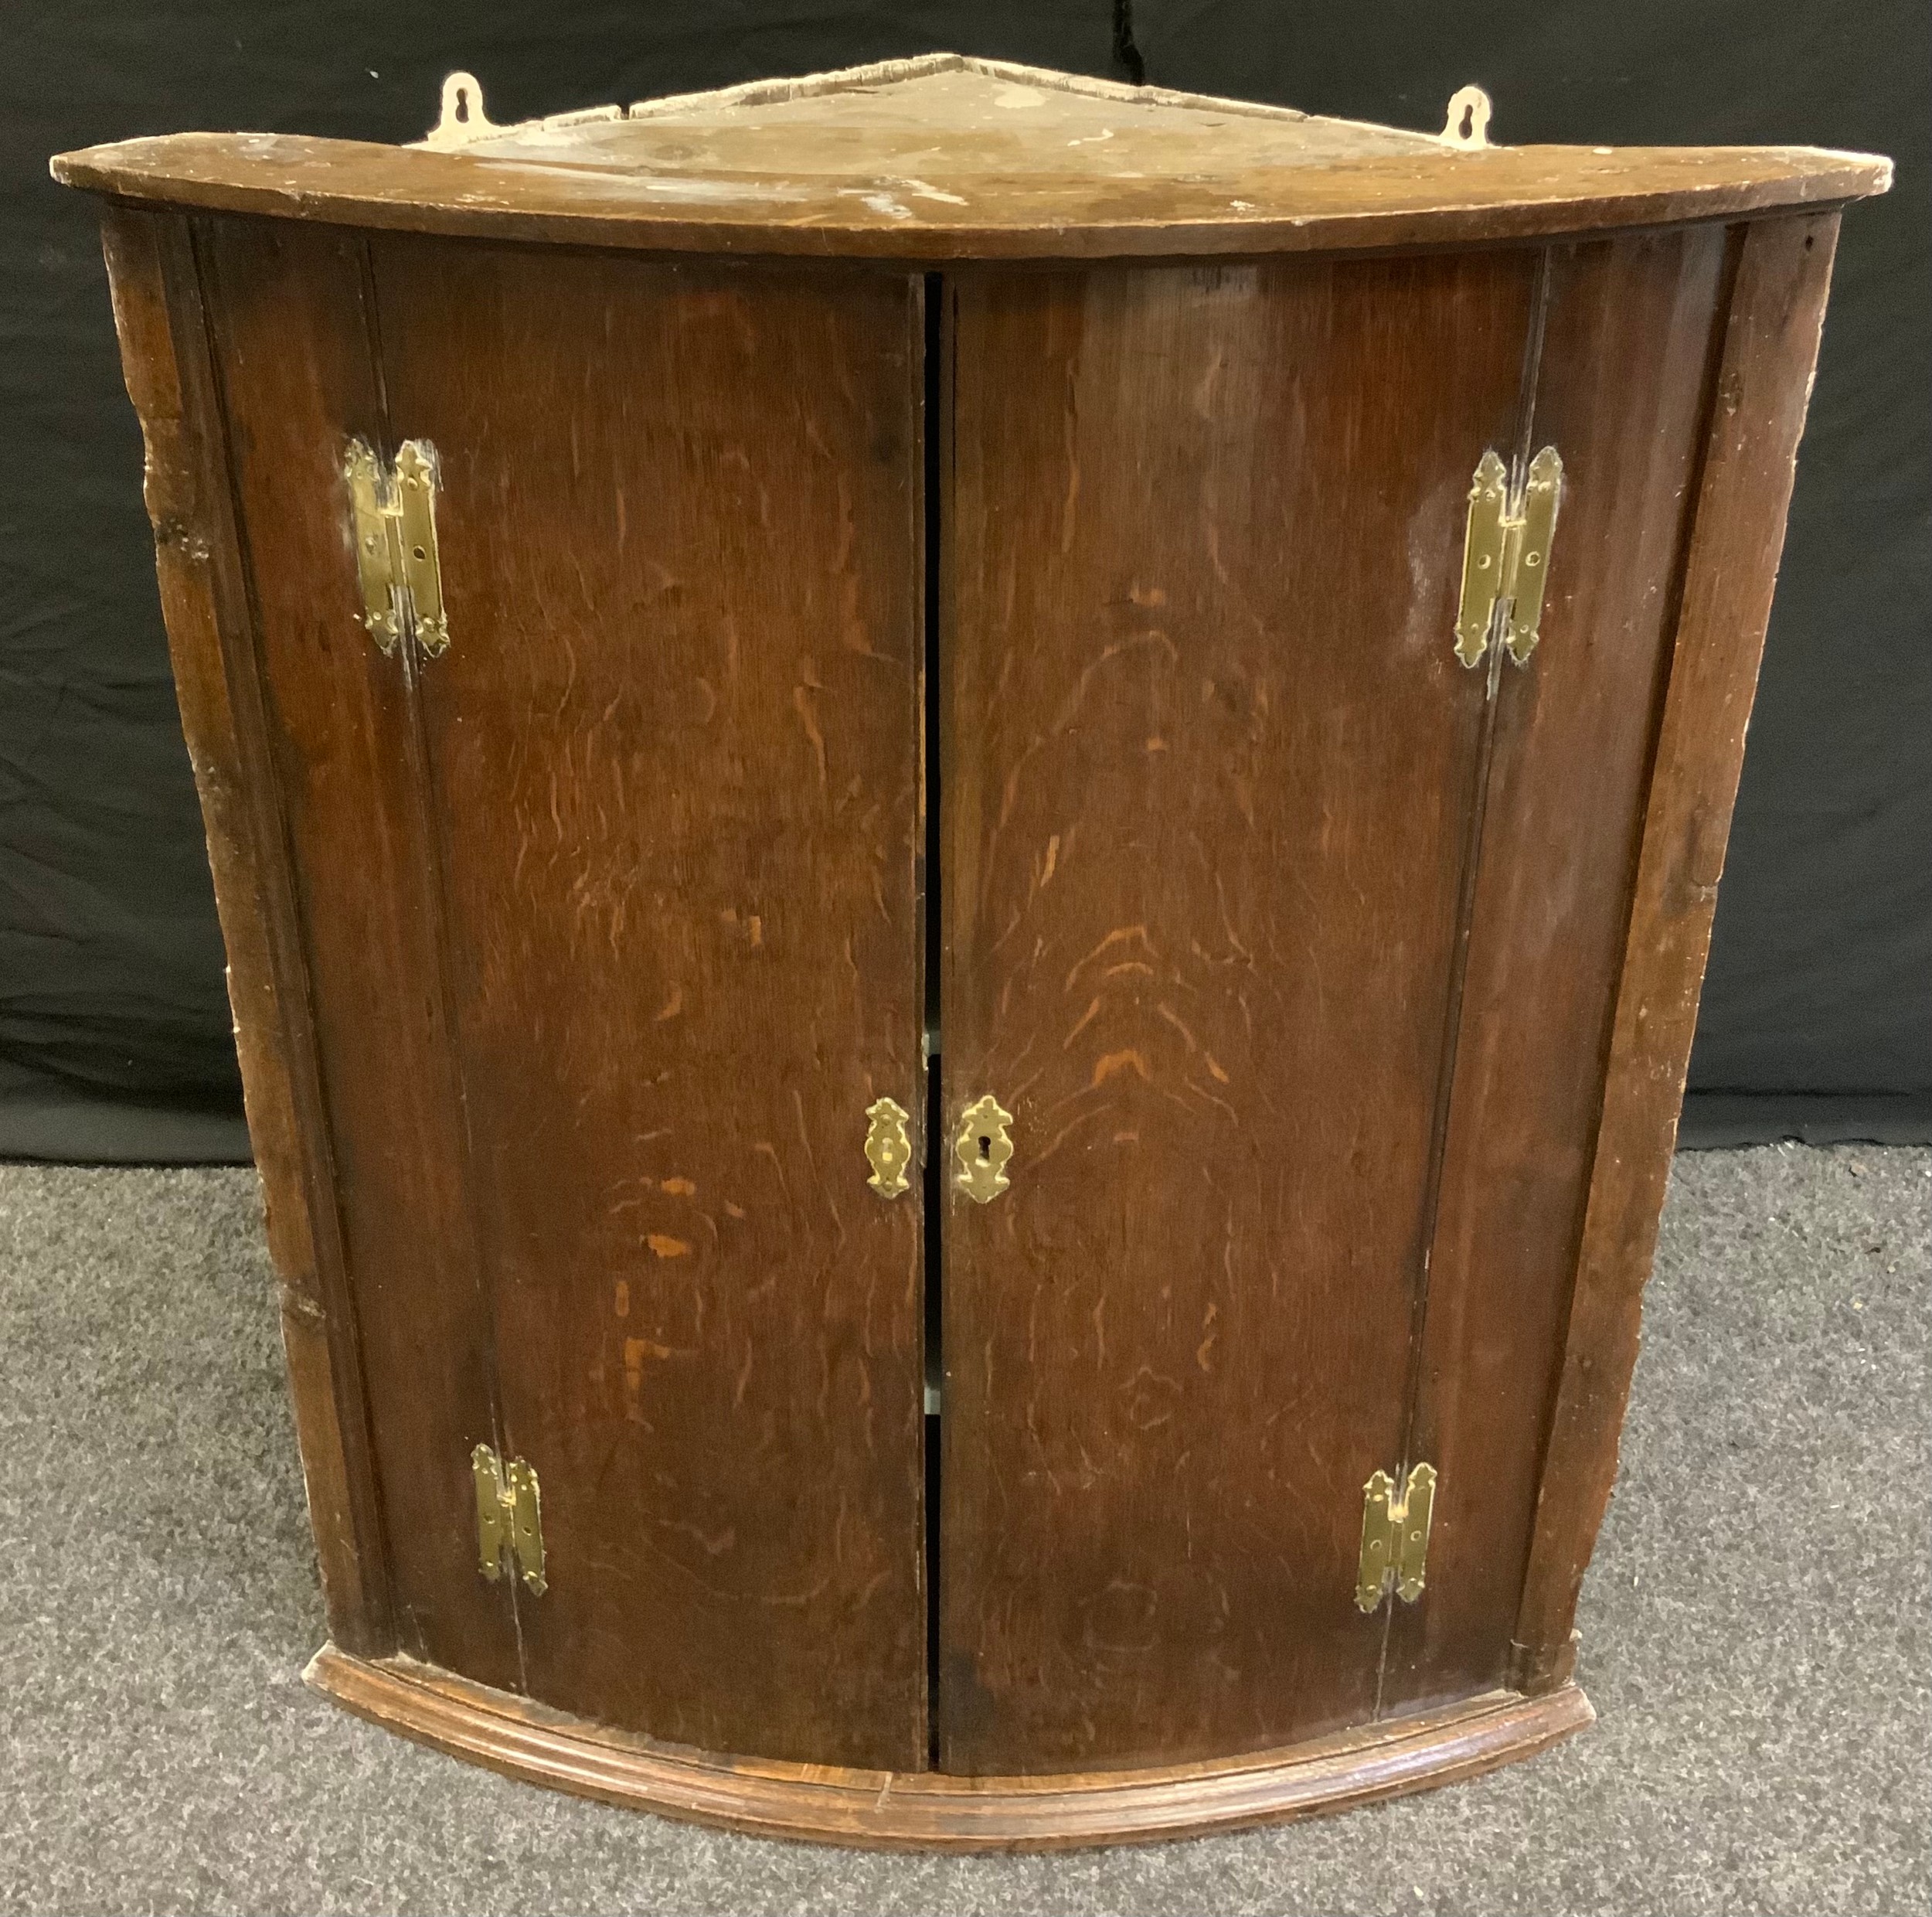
936	443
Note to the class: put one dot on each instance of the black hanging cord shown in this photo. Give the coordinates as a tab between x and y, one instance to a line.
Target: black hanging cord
1126	53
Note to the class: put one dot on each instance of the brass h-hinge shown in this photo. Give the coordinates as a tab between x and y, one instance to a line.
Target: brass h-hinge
509	1518
396	558
1395	1536
1505	556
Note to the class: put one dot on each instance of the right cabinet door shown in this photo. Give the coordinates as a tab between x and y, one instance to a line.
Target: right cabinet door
1289	943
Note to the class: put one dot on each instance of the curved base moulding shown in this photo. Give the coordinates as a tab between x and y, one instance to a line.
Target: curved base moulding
924	1810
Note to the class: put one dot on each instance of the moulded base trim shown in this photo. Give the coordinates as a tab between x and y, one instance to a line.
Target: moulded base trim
925	1810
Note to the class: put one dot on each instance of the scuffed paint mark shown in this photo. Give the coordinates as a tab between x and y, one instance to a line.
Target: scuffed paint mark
922	190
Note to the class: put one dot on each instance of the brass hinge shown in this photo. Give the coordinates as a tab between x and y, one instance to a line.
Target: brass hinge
396	563
1505	556
509	1518
1395	1536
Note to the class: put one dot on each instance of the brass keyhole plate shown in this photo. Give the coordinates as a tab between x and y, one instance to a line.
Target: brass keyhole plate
889	1150
984	1147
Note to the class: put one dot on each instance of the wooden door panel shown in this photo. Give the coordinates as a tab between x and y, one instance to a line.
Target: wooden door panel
673	750
1628	344
292	355
1209	768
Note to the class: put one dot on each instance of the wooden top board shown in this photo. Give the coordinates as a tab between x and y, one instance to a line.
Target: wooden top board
949	158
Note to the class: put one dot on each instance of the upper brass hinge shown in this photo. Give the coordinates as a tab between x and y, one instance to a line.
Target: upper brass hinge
396	563
1395	1536
1505	556
509	1518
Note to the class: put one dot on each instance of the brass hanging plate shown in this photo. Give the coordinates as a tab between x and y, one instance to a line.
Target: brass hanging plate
509	1518
1505	556
985	1148
888	1150
1395	1536
393	516
1467	129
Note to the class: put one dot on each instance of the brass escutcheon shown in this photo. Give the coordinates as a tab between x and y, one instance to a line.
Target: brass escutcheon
983	1147
888	1150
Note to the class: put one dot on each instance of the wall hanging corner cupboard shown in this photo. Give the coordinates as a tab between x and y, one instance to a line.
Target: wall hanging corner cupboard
966	823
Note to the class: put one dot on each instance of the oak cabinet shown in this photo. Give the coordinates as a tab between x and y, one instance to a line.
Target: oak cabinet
967	821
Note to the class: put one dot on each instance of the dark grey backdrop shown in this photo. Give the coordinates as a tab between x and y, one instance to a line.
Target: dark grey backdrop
113	1027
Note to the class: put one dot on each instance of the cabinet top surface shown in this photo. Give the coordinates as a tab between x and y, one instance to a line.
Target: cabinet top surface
950	157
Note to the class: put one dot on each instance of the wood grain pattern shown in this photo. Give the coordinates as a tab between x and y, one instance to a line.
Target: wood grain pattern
1776	312
880	1811
159	314
292	333
1625	368
671	761
1208	767
955	159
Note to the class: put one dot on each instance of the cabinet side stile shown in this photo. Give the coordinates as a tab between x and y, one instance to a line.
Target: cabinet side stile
166	362
1770	346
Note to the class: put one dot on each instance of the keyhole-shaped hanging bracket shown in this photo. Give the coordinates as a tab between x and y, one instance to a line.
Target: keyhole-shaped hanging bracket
462	119
983	1147
1468	128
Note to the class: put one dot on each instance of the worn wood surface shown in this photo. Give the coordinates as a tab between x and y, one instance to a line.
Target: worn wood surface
953	158
160	315
1209	765
1624	372
879	1810
1776	310
1342	997
671	763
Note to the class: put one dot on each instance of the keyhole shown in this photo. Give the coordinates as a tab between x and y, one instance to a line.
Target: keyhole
1468	122
986	1149
462	102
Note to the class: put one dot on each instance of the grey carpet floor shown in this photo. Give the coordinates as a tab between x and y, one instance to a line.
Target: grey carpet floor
1755	1624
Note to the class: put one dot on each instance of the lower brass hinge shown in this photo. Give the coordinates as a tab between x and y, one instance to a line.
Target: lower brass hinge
509	1519
1395	1536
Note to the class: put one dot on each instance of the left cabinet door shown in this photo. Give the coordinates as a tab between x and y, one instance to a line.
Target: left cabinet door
612	918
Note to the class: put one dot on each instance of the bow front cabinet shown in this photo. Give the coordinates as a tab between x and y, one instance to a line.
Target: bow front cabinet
966	823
